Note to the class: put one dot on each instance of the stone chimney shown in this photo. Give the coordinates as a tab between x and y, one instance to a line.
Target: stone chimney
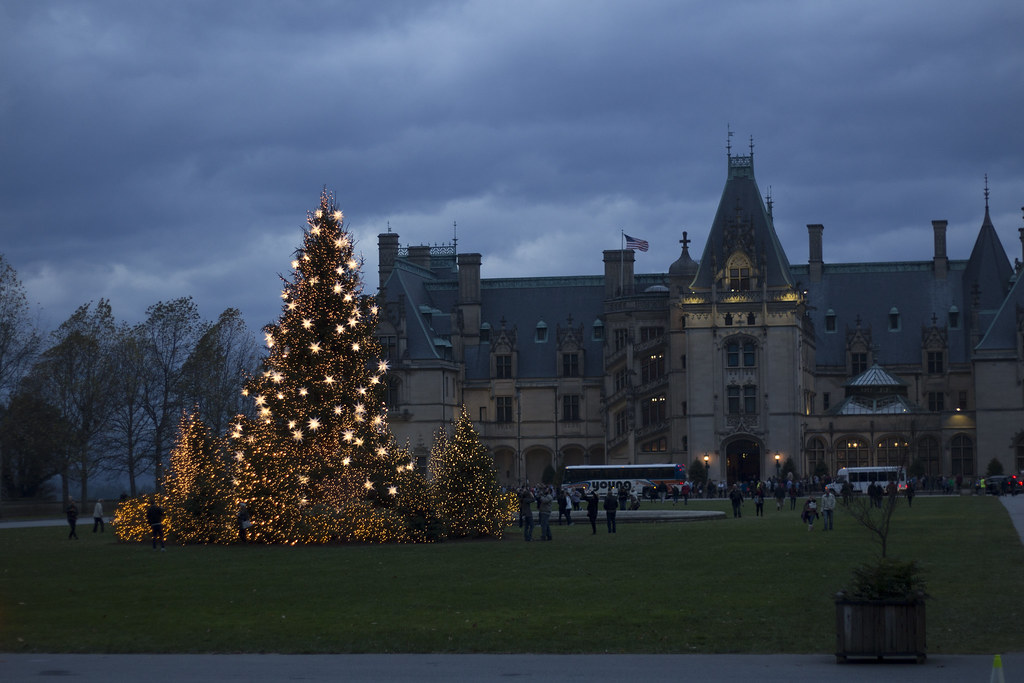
941	264
420	256
814	262
618	272
387	252
469	298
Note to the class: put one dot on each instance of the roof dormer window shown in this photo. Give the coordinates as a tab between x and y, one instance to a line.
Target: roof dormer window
894	319
738	272
954	318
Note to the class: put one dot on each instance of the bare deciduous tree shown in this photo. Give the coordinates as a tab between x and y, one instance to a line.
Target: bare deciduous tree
73	376
170	334
129	437
213	376
875	515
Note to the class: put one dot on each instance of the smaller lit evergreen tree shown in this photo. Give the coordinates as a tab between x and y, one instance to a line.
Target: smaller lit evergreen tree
199	501
464	484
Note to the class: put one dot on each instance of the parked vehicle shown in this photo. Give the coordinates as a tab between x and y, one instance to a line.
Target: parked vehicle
859	478
1000	484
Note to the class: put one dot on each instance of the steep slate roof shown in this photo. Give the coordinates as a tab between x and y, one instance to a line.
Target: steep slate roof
526	302
867	292
741	208
989	269
430	296
1002	333
863	294
860	295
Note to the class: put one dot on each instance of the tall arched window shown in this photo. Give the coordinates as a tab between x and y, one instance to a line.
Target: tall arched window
738	272
961	450
816	454
852	451
893	451
928	454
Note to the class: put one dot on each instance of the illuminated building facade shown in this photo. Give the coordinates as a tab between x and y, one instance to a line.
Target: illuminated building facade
740	359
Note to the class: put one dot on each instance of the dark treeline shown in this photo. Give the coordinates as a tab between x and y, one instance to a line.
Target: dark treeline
98	396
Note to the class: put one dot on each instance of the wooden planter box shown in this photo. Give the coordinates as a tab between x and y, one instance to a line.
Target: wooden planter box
880	629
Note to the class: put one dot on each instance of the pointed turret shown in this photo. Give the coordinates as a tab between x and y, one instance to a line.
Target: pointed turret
987	277
742	251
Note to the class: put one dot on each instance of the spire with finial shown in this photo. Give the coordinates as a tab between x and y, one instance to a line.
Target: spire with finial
986	193
728	141
771	202
684	267
455	237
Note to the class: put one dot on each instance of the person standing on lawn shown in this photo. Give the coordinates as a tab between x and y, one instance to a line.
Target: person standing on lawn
97	516
736	498
544	505
72	513
611	504
810	512
828	509
592	504
526	500
155	519
244	522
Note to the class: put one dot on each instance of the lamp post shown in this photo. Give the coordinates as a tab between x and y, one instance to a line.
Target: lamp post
707	468
778	466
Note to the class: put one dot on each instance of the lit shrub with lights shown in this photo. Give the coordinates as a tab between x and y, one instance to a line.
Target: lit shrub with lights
199	497
464	483
130	523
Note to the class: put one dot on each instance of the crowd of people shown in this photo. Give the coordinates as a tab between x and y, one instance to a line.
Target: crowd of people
820	502
819	494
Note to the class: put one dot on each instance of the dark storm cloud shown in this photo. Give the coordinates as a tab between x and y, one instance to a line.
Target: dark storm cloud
152	151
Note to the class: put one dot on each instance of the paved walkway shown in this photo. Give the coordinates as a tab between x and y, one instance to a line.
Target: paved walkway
447	668
257	668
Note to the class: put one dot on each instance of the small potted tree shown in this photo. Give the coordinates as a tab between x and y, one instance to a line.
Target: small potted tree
881	614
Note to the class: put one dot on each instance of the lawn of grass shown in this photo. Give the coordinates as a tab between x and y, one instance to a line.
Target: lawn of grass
753	585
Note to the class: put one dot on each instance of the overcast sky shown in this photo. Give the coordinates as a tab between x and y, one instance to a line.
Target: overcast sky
153	150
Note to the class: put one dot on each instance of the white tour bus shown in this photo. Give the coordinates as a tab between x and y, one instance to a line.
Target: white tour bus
642	480
861	477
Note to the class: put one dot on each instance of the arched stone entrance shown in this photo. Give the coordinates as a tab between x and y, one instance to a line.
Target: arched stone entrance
572	455
505	465
742	460
537	461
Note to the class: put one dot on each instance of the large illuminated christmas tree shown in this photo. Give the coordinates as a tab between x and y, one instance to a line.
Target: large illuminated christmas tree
464	483
318	462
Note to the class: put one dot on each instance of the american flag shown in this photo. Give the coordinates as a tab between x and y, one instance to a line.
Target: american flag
635	243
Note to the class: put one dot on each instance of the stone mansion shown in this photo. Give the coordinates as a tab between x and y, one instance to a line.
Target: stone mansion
738	359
